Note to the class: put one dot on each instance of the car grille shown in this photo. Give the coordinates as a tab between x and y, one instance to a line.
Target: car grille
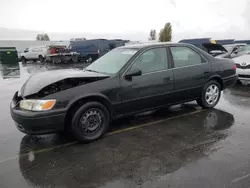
243	67
244	76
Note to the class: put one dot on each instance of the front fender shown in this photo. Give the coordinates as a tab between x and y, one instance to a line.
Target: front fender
86	96
92	97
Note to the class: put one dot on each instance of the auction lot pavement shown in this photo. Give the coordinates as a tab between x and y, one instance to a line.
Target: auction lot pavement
182	146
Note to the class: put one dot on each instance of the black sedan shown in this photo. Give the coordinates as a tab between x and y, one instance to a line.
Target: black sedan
125	81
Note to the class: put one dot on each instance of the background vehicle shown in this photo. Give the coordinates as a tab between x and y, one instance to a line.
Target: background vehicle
125	81
243	67
222	49
114	43
206	44
213	49
90	48
234	50
60	53
34	53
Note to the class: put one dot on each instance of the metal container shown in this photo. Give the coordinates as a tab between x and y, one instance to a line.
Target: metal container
8	61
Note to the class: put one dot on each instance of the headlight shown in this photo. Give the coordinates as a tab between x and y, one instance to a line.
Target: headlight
37	105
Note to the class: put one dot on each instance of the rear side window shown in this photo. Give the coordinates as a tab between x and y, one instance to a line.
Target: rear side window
184	56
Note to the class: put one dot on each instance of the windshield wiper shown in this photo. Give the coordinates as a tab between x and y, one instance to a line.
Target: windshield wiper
89	70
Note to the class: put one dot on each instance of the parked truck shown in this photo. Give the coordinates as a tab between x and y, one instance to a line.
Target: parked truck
90	49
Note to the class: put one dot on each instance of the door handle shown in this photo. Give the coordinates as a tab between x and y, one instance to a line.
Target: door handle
206	71
167	79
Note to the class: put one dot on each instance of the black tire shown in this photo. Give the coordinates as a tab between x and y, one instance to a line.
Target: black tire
202	100
97	110
239	82
40	58
23	59
74	60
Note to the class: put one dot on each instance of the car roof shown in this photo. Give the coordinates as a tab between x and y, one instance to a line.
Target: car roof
236	44
44	46
144	45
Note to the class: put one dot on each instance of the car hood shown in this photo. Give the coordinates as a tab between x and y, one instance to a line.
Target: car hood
213	47
58	78
242	59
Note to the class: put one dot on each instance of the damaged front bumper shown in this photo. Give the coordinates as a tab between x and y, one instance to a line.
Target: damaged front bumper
36	122
31	122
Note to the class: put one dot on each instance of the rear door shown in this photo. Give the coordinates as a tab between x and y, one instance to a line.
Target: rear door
150	89
191	71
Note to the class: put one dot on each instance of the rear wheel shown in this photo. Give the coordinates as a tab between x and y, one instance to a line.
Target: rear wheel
40	58
210	95
90	122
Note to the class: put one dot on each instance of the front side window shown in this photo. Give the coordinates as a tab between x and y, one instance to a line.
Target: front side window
184	56
113	61
152	60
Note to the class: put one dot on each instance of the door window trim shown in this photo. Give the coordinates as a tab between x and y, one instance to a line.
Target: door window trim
166	67
172	59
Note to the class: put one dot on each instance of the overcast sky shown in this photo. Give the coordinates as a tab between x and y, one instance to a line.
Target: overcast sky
190	18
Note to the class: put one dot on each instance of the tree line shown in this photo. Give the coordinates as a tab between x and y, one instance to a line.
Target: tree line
42	37
165	33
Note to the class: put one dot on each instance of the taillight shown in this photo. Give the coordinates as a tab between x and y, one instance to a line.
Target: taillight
234	67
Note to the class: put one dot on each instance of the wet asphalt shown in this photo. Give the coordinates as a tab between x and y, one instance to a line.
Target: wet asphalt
181	146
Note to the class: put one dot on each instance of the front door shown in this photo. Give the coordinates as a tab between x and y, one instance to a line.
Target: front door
147	90
191	72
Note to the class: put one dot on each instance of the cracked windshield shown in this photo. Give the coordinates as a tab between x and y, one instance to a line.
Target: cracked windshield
124	94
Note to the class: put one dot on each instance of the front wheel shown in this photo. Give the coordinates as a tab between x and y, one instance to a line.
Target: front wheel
239	82
210	95
23	59
90	122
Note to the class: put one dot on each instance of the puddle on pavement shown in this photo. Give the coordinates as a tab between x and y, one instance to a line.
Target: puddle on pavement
9	72
238	96
210	120
149	152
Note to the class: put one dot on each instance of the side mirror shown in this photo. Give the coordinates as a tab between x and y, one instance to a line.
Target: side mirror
133	72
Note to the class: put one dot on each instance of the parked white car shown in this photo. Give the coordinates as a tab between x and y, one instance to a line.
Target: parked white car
243	67
34	53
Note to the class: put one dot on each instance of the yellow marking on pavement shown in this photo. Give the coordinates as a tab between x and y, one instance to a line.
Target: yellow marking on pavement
38	151
108	134
152	123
